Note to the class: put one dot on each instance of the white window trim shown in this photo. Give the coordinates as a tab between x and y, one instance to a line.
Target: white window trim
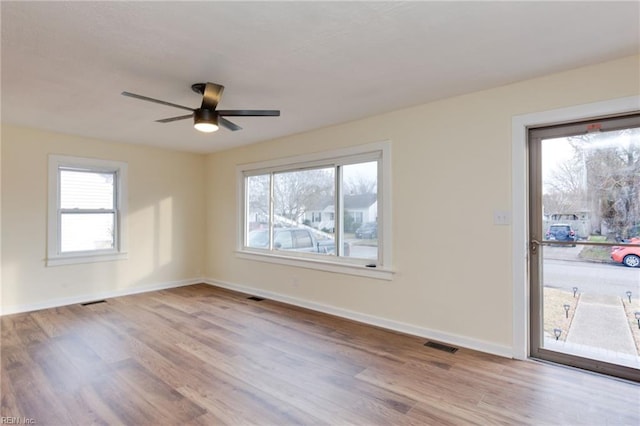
119	252
335	265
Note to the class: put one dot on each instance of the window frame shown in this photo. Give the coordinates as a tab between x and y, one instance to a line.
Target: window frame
55	256
381	268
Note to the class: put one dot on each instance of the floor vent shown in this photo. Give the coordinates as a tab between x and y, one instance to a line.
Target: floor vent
95	302
441	347
256	298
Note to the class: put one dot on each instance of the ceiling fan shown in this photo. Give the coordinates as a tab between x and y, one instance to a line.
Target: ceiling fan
206	118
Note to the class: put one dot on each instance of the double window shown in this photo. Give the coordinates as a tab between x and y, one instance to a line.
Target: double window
318	210
86	210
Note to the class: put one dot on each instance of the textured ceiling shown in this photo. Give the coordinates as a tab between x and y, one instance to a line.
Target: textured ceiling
64	64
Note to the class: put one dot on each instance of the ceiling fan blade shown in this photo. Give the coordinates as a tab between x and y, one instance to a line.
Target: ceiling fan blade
229	125
169	120
211	95
249	113
157	101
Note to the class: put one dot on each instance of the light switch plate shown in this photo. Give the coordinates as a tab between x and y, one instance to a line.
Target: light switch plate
501	217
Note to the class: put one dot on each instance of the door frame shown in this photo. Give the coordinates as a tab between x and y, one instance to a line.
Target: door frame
520	200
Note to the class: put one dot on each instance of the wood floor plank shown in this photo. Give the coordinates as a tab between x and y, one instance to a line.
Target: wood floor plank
167	401
31	393
110	345
24	329
56	322
200	355
88	399
130	407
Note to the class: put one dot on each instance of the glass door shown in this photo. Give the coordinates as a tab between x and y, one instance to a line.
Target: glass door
585	245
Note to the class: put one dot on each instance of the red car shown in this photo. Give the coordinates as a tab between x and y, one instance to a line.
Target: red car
628	256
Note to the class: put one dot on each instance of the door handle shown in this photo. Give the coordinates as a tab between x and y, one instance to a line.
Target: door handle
534	245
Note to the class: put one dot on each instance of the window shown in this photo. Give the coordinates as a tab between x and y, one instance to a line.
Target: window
343	193
86	210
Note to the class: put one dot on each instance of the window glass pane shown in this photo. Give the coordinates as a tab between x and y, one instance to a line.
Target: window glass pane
298	194
360	200
257	210
303	239
283	240
87	231
302	200
86	190
591	185
258	238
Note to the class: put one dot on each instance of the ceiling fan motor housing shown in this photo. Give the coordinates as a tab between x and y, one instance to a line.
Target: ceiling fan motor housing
205	115
205	120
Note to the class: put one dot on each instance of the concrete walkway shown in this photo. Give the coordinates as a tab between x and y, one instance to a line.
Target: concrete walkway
600	322
599	331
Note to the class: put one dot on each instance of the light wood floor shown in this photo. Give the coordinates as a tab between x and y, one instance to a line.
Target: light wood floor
206	356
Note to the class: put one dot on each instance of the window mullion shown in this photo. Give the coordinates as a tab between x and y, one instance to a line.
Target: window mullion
339	227
59	210
379	211
116	208
271	209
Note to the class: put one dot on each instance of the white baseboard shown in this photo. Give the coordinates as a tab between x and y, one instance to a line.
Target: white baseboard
452	339
64	301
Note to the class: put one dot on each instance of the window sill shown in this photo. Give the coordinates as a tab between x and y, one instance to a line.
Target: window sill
319	264
85	258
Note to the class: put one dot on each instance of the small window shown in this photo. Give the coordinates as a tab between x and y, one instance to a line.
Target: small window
316	207
86	210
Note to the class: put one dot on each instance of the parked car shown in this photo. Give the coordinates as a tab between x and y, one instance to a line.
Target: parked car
368	230
628	256
295	239
561	232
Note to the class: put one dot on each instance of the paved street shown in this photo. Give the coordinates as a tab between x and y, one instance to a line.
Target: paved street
563	269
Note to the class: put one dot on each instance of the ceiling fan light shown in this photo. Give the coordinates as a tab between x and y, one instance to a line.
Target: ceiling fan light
206	127
205	120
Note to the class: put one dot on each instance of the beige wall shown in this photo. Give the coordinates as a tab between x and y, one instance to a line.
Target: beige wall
451	169
165	213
